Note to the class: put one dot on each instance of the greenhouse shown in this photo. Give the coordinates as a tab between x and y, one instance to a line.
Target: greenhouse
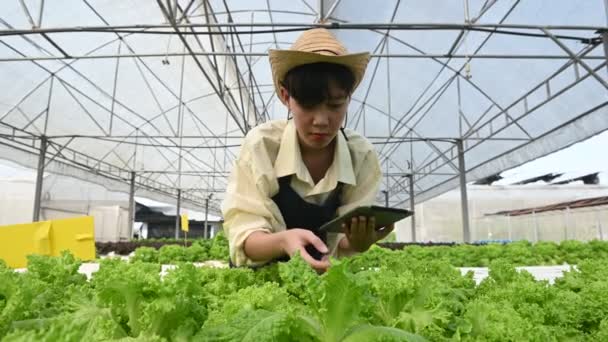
125	128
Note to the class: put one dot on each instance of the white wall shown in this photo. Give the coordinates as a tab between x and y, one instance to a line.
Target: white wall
440	219
111	223
63	197
16	201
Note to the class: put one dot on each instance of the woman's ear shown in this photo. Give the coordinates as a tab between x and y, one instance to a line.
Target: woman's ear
284	96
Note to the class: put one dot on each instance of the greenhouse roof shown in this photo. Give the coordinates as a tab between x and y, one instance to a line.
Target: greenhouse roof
164	91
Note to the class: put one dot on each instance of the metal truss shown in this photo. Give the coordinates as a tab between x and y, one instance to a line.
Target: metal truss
246	102
496	124
60	153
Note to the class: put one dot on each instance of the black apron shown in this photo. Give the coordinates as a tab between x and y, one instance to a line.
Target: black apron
297	213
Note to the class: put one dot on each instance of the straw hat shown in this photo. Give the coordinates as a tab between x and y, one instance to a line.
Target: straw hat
314	46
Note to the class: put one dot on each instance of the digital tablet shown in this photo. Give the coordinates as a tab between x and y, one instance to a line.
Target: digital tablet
384	216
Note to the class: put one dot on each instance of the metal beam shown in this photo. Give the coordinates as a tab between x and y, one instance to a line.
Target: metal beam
576	58
85	162
385	193
69	66
25	97
264	54
177	218
606	11
305	26
605	40
313	11
186	10
252	79
202	69
58	153
131	205
514	121
274	34
379	47
412	207
27	13
457	72
114	88
252	11
320	11
207	9
77	72
118	175
206	216
569	124
39	179
168	89
40	14
464	201
242	91
331	10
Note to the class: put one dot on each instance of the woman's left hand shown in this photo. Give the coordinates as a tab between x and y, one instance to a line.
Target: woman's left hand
362	232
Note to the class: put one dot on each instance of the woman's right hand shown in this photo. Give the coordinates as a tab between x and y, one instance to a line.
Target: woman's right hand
294	240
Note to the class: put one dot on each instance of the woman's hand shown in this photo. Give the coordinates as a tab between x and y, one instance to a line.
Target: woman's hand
294	240
362	233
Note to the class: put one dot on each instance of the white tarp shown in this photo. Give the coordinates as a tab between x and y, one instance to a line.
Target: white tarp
119	115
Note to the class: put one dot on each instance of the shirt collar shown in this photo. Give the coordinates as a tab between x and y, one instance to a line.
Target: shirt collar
289	158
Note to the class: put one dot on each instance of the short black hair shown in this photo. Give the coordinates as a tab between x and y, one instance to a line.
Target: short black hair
309	84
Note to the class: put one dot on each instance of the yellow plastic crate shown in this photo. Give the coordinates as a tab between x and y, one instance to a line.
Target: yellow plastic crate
76	235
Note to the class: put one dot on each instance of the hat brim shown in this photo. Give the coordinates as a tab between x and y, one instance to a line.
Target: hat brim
281	61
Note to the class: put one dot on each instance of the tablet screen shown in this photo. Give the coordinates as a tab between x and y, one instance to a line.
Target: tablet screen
384	216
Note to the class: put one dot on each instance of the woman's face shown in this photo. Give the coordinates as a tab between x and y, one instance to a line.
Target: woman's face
317	126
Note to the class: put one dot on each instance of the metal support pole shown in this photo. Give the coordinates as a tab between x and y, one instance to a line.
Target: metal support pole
605	40
464	201
412	207
385	192
132	205
206	217
321	6
606	10
177	217
40	14
39	178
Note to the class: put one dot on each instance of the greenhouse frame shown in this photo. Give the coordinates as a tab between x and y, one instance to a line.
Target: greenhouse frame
155	97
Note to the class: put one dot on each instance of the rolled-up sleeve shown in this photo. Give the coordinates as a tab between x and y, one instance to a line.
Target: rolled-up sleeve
245	210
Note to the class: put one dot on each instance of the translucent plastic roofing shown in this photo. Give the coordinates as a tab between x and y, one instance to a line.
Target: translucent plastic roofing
168	89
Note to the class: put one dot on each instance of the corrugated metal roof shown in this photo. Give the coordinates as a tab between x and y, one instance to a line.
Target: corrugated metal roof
582	203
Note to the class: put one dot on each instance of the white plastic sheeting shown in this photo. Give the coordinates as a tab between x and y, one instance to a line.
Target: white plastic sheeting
523	79
439	219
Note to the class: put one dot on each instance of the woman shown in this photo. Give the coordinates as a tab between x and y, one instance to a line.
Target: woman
292	176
